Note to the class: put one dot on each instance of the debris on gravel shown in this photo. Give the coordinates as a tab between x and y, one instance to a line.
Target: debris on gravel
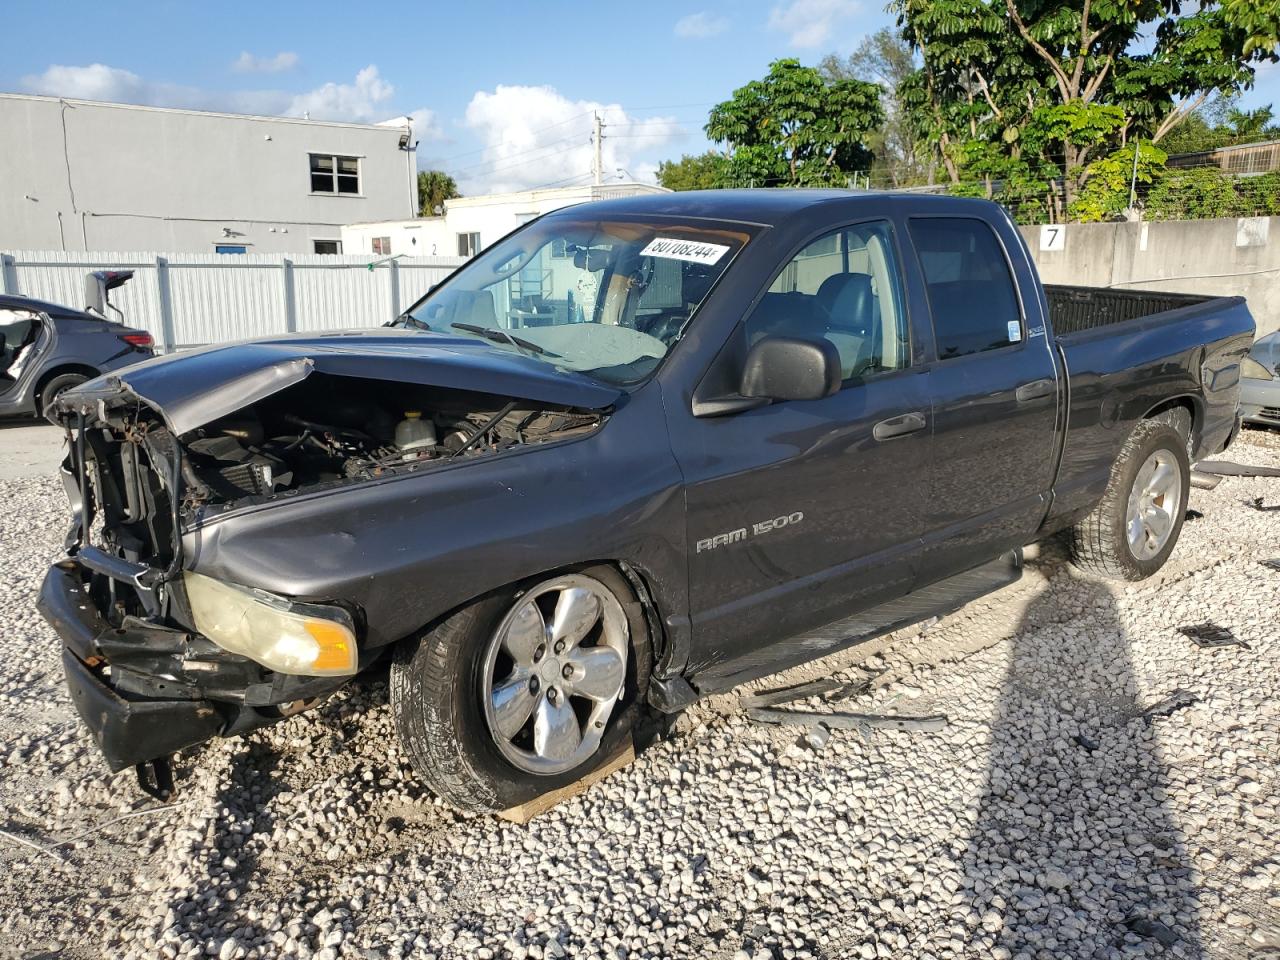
1049	818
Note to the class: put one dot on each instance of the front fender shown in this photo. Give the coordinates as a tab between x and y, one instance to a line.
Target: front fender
407	550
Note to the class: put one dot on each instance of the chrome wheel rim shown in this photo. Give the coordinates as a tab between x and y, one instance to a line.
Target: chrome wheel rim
1153	505
553	672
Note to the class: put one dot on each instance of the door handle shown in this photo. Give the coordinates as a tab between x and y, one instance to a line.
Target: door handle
1034	390
899	426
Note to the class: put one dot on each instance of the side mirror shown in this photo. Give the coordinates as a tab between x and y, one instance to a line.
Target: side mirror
784	368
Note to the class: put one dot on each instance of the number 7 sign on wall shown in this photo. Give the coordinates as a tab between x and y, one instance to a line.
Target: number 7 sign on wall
1053	236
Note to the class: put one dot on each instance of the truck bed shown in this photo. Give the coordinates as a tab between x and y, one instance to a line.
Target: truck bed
1075	309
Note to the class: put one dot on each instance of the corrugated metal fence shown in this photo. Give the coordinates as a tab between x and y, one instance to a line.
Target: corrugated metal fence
189	299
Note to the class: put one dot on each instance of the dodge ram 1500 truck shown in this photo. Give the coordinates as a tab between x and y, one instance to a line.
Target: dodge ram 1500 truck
635	452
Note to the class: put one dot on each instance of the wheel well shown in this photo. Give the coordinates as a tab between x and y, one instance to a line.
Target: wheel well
1180	404
638	579
80	368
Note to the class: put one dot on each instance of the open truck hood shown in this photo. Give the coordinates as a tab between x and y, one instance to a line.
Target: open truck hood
192	389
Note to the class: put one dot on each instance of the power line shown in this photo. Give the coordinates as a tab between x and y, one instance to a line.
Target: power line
550	126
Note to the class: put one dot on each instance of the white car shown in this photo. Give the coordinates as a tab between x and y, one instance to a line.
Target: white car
1259	386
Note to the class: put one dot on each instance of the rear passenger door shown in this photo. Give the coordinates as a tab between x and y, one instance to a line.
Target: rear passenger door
994	396
801	512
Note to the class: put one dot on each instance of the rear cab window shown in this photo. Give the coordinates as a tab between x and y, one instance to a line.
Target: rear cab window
972	297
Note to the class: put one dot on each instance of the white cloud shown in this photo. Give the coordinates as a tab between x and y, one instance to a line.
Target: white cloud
808	23
248	63
534	136
367	99
697	26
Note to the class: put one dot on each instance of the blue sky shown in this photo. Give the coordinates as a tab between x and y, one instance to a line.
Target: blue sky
501	93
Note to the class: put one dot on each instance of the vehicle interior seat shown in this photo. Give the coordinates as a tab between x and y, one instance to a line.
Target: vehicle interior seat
852	312
15	337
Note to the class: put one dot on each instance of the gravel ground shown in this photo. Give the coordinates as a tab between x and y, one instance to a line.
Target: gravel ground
1050	819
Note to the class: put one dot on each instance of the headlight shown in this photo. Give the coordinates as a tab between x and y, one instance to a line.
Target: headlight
1252	369
298	638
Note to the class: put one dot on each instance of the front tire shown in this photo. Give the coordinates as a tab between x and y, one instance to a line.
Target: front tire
1133	529
524	690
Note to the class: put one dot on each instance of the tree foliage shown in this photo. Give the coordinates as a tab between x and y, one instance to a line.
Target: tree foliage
705	171
1109	181
887	60
434	188
796	127
1070	80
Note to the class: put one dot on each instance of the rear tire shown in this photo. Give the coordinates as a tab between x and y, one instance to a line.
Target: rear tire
443	683
1131	532
59	385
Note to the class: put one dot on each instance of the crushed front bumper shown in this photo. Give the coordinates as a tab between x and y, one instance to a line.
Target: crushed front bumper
146	690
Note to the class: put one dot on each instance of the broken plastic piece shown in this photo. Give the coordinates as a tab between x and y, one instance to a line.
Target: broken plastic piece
1194	515
1177	700
1085	742
1152	930
816	737
828	689
1225	468
862	722
1271	564
1210	636
1259	505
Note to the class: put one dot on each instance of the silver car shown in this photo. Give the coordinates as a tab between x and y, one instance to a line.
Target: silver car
46	348
1259	384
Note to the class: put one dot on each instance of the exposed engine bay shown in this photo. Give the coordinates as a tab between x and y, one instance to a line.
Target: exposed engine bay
328	430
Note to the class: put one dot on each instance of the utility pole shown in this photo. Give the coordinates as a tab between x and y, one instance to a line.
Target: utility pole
1133	182
597	165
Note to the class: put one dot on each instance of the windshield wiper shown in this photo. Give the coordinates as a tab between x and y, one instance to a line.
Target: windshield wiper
498	336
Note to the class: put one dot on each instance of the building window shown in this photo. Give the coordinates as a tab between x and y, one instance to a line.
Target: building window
468	244
326	246
559	249
229	248
382	246
330	174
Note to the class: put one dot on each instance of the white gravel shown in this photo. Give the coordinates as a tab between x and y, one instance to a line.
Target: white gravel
1050	819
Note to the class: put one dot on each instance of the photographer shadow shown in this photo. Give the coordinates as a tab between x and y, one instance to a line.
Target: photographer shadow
1075	851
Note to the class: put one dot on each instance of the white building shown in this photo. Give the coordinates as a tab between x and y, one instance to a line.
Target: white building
469	224
85	175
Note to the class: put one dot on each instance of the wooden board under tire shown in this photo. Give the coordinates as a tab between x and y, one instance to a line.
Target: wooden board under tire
526	811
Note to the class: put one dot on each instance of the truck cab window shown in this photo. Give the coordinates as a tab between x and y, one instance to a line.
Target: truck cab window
843	287
971	293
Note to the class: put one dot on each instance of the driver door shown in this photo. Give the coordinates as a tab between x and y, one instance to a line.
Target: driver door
804	512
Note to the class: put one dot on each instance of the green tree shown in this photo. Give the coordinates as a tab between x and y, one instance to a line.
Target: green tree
706	171
434	188
1008	71
886	59
1109	181
796	127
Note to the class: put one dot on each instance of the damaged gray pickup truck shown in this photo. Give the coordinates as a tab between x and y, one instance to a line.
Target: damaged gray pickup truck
636	452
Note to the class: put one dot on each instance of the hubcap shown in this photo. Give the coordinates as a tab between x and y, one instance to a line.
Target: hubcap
1153	505
553	672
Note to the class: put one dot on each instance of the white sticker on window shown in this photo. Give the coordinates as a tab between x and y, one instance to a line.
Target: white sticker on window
695	251
1015	331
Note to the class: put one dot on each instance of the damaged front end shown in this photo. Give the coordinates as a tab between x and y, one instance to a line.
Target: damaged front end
159	657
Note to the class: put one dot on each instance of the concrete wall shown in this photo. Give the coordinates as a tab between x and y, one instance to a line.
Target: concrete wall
1218	257
146	178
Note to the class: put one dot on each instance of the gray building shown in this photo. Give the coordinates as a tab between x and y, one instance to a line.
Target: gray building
84	175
